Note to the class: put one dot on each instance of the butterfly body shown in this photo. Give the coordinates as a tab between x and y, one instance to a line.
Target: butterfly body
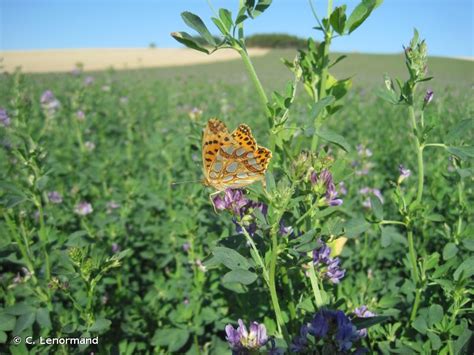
232	160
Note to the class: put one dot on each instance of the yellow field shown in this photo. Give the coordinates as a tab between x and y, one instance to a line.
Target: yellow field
64	60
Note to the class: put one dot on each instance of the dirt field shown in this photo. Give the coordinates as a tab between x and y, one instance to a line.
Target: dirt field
97	59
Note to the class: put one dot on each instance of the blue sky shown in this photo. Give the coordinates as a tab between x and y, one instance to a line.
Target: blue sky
447	25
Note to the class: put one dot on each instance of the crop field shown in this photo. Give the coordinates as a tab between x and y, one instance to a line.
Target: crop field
107	231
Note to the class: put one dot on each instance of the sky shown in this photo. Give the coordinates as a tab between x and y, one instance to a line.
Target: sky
447	25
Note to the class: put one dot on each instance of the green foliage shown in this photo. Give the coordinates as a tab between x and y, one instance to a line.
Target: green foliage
274	40
153	269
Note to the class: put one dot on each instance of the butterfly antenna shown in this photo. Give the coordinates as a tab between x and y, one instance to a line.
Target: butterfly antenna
184	182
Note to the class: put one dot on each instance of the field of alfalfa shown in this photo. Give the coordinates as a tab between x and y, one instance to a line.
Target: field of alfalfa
336	255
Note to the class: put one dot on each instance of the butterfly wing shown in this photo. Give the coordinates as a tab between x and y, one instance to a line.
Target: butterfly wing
232	160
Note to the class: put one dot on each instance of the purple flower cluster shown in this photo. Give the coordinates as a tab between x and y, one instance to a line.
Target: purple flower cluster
4	118
363	151
363	312
366	191
330	267
49	103
404	173
324	181
55	197
242	208
428	97
83	208
241	338
335	327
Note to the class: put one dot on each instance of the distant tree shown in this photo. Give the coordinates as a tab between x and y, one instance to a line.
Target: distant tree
152	45
275	40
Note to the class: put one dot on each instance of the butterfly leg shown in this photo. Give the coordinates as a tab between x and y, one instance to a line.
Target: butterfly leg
211	195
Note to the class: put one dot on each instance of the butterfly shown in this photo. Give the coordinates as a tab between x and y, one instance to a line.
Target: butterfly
231	160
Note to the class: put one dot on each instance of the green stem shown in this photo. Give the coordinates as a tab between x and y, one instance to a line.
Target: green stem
314	284
441	145
256	81
272	285
323	78
419	154
392	222
415	275
257	258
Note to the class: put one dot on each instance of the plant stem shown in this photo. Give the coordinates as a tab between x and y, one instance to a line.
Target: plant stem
256	81
419	154
257	258
414	273
272	285
323	78
392	222
314	284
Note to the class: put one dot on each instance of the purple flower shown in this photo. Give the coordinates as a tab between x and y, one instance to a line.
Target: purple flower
334	272
49	102
342	188
363	312
195	113
55	197
319	326
115	248
200	265
251	339
186	246
111	205
366	191
404	173
285	231
233	337
4	118
329	267
324	182
346	332
428	97
83	208
80	115
89	80
300	342
233	200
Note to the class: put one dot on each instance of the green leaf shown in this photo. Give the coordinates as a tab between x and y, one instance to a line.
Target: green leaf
360	14
307	304
460	129
333	137
188	41
3	337
388	95
432	261
363	323
377	208
338	19
420	324
449	251
195	22
388	301
100	325
7	322
321	104
435	314
173	338
466	269
230	258
226	18
435	340
242	276
463	153
462	341
24	321
20	309
42	318
256	10
356	226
